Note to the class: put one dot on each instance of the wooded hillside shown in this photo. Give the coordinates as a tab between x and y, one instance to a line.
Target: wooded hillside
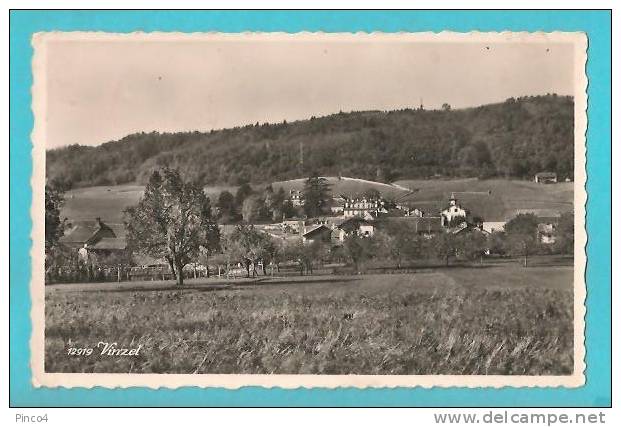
516	138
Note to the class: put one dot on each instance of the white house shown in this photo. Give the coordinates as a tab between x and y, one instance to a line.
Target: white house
546	178
546	233
353	227
296	197
361	206
452	211
494	226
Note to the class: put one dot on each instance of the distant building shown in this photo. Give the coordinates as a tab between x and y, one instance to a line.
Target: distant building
493	226
92	239
358	207
547	221
546	178
94	234
452	211
292	225
296	197
320	233
546	233
354	226
337	205
414	212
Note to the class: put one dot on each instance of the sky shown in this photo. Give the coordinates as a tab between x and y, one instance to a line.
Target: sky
102	90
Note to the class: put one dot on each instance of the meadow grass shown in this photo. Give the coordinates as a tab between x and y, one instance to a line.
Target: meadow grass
466	321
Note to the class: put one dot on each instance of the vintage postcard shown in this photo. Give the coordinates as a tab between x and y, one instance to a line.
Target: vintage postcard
308	210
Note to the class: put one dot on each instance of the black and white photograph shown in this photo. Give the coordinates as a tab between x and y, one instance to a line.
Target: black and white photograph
313	209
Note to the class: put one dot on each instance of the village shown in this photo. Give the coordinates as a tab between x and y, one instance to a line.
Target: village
395	230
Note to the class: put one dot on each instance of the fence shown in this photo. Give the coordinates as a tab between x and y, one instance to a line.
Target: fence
86	274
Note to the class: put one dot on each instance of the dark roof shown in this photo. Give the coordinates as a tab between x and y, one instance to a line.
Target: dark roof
79	232
353	223
110	243
82	231
320	229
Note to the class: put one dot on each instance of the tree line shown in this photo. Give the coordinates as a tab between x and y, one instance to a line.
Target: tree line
516	138
254	205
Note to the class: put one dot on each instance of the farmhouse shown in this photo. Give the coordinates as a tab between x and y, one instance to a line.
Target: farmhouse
546	178
96	235
353	227
320	233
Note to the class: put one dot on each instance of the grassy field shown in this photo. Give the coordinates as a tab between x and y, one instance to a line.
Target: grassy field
506	196
494	320
108	202
347	186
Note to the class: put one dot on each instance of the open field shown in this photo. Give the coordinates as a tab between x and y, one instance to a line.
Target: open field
347	186
506	196
488	320
108	202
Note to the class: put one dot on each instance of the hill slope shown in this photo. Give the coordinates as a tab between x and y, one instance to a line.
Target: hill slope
504	199
516	138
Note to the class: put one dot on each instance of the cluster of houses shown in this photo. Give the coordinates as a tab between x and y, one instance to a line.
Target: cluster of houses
360	216
357	216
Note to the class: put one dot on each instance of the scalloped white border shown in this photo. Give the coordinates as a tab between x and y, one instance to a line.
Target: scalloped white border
40	378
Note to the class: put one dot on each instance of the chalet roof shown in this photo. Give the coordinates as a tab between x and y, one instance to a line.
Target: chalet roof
84	230
353	223
79	232
110	243
316	231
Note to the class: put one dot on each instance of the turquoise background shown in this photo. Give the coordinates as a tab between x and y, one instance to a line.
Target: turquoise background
597	24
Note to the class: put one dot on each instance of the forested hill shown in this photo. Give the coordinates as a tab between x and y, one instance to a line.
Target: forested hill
516	138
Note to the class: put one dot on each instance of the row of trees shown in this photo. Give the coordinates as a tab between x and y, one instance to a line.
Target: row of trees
251	206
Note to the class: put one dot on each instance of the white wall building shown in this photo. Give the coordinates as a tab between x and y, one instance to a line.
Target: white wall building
452	211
